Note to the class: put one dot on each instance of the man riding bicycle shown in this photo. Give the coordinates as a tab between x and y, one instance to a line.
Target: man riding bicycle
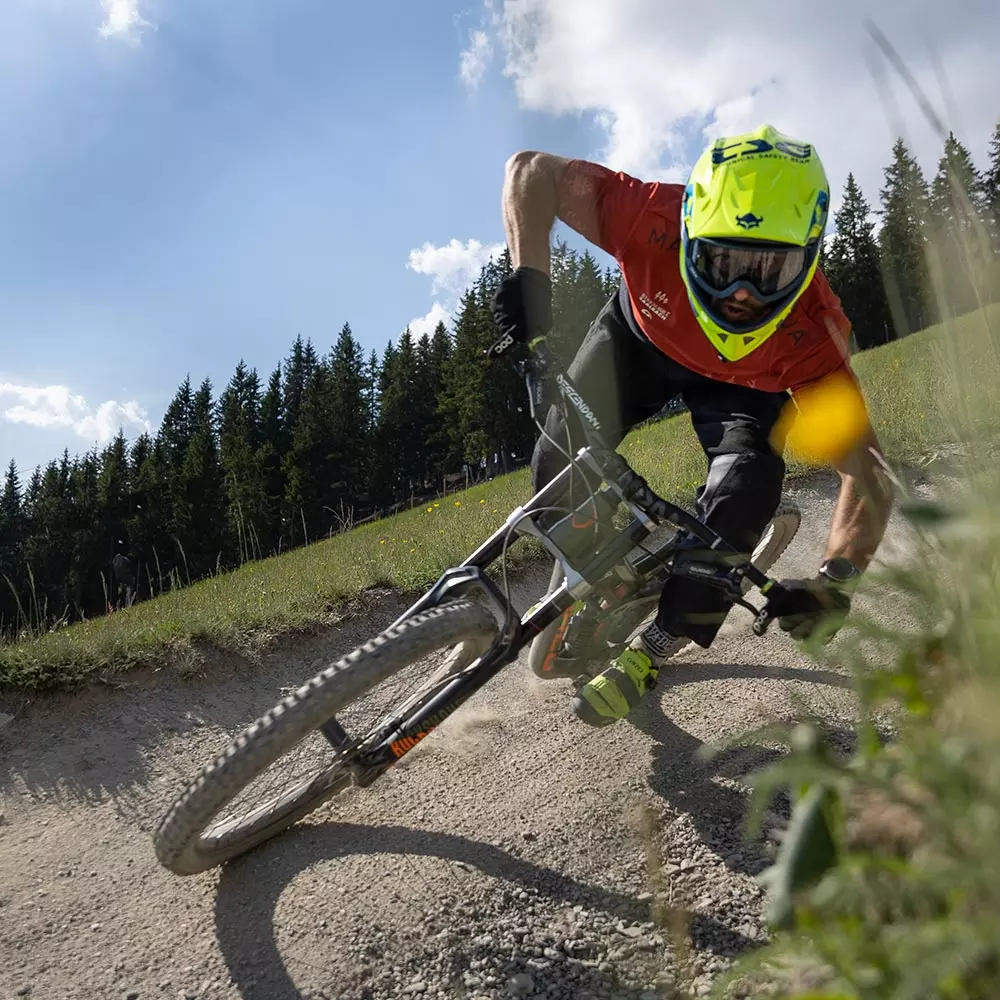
722	302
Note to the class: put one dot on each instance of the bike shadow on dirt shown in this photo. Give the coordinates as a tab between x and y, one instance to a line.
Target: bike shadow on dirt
250	888
713	792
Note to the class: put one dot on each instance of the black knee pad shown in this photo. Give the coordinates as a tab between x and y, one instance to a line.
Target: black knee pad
740	495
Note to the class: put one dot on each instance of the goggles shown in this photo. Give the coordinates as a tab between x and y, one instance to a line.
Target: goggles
769	269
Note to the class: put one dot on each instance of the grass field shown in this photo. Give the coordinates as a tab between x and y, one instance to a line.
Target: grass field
916	406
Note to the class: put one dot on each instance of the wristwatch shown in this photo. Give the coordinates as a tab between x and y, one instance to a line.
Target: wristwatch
839	570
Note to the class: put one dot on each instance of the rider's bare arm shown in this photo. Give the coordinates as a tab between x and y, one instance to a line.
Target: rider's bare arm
539	188
863	507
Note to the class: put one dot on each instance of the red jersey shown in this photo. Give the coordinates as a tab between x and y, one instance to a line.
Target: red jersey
639	225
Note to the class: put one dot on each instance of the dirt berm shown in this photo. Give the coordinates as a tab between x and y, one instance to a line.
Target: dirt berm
509	855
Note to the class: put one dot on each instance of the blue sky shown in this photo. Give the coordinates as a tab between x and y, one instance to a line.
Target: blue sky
188	182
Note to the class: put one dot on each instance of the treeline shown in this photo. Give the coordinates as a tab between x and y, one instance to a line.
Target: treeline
326	440
329	439
935	255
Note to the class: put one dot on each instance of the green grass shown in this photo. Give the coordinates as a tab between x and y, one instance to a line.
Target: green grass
915	406
887	884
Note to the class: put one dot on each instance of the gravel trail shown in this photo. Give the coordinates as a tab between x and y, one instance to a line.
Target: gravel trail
514	853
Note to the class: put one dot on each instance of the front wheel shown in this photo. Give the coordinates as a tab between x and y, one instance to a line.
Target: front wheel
246	795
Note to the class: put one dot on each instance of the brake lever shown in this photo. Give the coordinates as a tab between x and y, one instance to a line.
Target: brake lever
765	616
762	621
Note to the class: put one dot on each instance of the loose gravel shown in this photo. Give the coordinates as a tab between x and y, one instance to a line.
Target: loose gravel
514	853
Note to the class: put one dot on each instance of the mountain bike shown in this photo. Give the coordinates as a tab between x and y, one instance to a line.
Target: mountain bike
614	541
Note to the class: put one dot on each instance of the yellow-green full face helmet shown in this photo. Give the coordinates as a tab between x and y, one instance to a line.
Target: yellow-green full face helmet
754	214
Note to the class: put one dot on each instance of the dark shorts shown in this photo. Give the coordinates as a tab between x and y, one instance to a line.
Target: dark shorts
626	380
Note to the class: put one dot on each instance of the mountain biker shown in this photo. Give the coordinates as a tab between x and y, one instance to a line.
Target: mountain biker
722	301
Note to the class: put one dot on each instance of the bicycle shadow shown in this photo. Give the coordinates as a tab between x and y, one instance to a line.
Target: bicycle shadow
689	784
250	888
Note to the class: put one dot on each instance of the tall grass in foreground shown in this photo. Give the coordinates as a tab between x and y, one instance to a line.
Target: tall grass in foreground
887	882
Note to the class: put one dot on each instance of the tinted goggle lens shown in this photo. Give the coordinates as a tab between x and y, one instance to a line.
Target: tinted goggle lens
768	270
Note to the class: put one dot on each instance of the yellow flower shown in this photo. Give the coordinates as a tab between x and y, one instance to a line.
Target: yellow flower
458	503
437	505
413	550
381	541
430	510
482	501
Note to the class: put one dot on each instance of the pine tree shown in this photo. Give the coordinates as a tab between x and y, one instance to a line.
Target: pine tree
239	454
200	515
272	447
148	524
902	242
348	425
114	493
47	547
485	401
852	267
398	434
12	538
177	426
310	465
991	200
384	476
174	439
298	369
372	380
433	364
91	547
961	249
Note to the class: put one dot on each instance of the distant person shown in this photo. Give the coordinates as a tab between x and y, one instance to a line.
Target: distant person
124	574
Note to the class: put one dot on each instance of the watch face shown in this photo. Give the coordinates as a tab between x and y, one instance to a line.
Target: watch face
839	569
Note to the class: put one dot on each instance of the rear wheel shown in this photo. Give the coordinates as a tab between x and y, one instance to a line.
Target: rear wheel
281	767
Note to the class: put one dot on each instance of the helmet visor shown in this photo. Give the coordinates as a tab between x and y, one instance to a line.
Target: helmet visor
770	270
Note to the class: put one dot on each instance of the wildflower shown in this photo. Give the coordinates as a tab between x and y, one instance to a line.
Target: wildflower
437	505
482	501
430	510
458	503
381	541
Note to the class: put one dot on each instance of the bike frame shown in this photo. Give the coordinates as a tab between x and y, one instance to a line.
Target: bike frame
418	717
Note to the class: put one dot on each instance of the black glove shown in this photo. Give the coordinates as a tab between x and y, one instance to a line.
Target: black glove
522	306
806	603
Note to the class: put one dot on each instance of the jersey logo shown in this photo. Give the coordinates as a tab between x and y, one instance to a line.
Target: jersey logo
796	335
749	221
662	240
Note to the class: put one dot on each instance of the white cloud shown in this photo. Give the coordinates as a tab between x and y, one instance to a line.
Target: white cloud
650	80
475	60
55	406
428	324
453	267
122	20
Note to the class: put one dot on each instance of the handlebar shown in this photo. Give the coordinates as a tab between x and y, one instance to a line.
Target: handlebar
537	370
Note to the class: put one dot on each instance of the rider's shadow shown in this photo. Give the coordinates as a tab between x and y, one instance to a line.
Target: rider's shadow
251	887
689	784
